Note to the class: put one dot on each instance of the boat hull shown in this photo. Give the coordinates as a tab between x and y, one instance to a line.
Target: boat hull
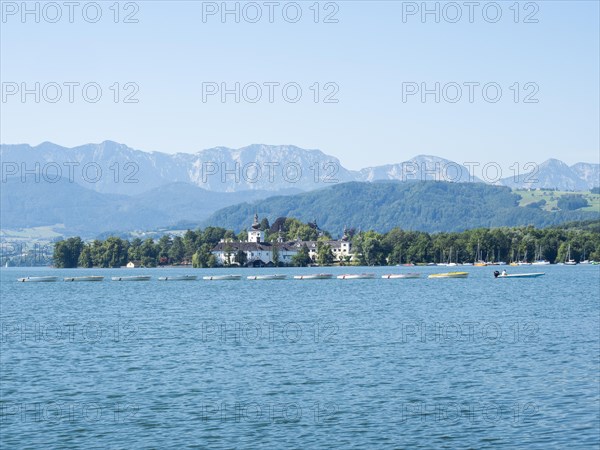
359	276
449	275
522	275
135	278
37	279
222	277
79	279
267	277
395	276
318	276
179	278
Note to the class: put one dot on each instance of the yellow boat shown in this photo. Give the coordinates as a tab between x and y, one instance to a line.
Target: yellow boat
449	275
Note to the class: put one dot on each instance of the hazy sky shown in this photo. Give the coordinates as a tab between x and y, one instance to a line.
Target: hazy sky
371	57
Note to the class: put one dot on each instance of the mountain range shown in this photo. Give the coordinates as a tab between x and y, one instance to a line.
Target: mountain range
114	168
100	188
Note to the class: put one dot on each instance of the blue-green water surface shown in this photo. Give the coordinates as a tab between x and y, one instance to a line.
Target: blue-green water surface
414	363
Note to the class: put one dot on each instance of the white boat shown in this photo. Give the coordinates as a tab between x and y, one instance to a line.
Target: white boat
541	262
179	278
449	275
356	276
570	261
132	278
88	278
267	277
519	275
37	279
314	276
523	263
394	276
222	277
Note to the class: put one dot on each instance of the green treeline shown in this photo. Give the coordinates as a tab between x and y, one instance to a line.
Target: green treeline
370	248
193	247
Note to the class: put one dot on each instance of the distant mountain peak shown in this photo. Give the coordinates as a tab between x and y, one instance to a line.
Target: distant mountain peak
263	167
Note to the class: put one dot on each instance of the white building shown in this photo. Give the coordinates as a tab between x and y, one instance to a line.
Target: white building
260	253
257	251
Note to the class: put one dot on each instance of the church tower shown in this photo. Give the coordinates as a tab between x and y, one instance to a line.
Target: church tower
255	234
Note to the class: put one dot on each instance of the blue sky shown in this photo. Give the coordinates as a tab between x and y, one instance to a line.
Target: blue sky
368	54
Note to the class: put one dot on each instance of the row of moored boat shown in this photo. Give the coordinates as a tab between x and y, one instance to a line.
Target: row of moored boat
314	276
317	276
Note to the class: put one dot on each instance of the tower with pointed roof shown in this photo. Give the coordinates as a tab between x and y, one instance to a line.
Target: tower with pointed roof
255	234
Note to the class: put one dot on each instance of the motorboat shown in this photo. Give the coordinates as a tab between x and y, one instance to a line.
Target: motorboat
314	276
518	275
132	278
37	279
356	276
394	276
449	275
87	278
222	277
179	278
267	277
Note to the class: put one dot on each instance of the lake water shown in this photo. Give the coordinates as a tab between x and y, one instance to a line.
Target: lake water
421	363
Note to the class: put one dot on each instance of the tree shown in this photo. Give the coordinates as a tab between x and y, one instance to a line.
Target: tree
114	252
197	261
164	246
324	254
213	235
177	250
149	251
241	257
374	253
302	258
264	224
202	256
134	253
572	202
228	251
190	243
66	253
212	261
275	255
295	229
85	258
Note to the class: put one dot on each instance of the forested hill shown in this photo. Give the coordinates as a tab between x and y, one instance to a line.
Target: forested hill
419	205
